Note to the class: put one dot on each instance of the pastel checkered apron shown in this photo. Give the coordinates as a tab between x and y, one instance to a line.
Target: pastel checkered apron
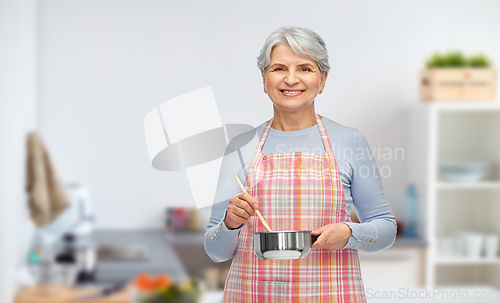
296	191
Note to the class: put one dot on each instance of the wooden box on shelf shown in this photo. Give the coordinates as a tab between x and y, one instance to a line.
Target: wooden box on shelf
458	84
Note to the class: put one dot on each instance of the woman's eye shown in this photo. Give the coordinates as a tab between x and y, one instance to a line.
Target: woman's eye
279	69
305	69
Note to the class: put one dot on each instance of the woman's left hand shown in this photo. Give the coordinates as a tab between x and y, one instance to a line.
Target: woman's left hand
332	236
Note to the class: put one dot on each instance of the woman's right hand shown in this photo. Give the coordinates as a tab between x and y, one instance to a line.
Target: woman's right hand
241	207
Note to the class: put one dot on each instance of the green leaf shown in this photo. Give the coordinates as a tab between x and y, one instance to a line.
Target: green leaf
456	59
436	61
479	61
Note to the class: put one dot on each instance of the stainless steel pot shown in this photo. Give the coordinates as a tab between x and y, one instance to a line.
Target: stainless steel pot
283	245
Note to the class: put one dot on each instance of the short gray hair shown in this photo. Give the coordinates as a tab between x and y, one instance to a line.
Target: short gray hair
304	42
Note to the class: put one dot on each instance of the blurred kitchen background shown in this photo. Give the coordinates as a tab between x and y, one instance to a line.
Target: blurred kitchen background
84	74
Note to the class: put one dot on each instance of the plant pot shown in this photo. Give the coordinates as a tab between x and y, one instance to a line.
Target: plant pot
458	84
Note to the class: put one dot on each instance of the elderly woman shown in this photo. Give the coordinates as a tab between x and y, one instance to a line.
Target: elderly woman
297	182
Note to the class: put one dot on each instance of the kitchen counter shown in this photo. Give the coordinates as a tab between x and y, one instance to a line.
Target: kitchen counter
409	242
401	265
160	259
68	295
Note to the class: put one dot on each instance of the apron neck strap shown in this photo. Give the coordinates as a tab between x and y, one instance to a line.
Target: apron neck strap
322	131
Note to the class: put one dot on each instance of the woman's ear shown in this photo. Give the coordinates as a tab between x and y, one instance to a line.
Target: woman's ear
323	80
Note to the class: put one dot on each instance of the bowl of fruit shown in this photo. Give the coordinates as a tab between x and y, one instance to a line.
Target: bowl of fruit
161	289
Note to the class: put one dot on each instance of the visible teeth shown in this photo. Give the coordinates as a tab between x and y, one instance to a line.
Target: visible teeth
292	92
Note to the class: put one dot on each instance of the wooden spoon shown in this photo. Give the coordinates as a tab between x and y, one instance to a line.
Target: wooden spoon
256	211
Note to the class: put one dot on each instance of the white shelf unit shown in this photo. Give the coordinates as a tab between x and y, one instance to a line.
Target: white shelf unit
455	132
466	261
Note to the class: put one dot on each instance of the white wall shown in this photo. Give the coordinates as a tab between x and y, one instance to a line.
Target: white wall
17	114
105	64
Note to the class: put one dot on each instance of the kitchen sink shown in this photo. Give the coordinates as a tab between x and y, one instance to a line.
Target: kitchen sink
122	252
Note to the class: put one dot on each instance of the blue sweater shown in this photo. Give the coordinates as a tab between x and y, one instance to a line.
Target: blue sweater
358	170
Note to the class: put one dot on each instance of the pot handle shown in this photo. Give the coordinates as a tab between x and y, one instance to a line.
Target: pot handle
313	239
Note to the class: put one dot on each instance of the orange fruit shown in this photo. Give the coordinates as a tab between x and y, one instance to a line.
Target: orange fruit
144	282
162	281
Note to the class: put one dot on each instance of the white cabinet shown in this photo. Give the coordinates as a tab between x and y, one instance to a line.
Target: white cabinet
455	132
397	266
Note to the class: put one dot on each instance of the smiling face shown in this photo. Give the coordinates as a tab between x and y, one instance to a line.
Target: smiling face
292	82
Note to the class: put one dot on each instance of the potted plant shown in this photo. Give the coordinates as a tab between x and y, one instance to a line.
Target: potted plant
455	77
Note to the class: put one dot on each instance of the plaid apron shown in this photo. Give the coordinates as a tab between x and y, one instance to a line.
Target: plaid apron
296	191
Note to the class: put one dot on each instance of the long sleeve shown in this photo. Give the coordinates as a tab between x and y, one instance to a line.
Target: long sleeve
219	241
377	229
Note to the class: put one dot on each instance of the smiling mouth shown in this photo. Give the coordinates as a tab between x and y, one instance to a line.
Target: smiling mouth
291	92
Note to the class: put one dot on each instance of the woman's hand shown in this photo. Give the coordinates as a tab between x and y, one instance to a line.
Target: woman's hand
241	207
332	236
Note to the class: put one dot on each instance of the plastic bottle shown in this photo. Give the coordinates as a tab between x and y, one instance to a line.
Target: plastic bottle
43	248
41	257
411	213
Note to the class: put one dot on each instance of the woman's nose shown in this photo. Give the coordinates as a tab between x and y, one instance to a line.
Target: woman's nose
291	78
